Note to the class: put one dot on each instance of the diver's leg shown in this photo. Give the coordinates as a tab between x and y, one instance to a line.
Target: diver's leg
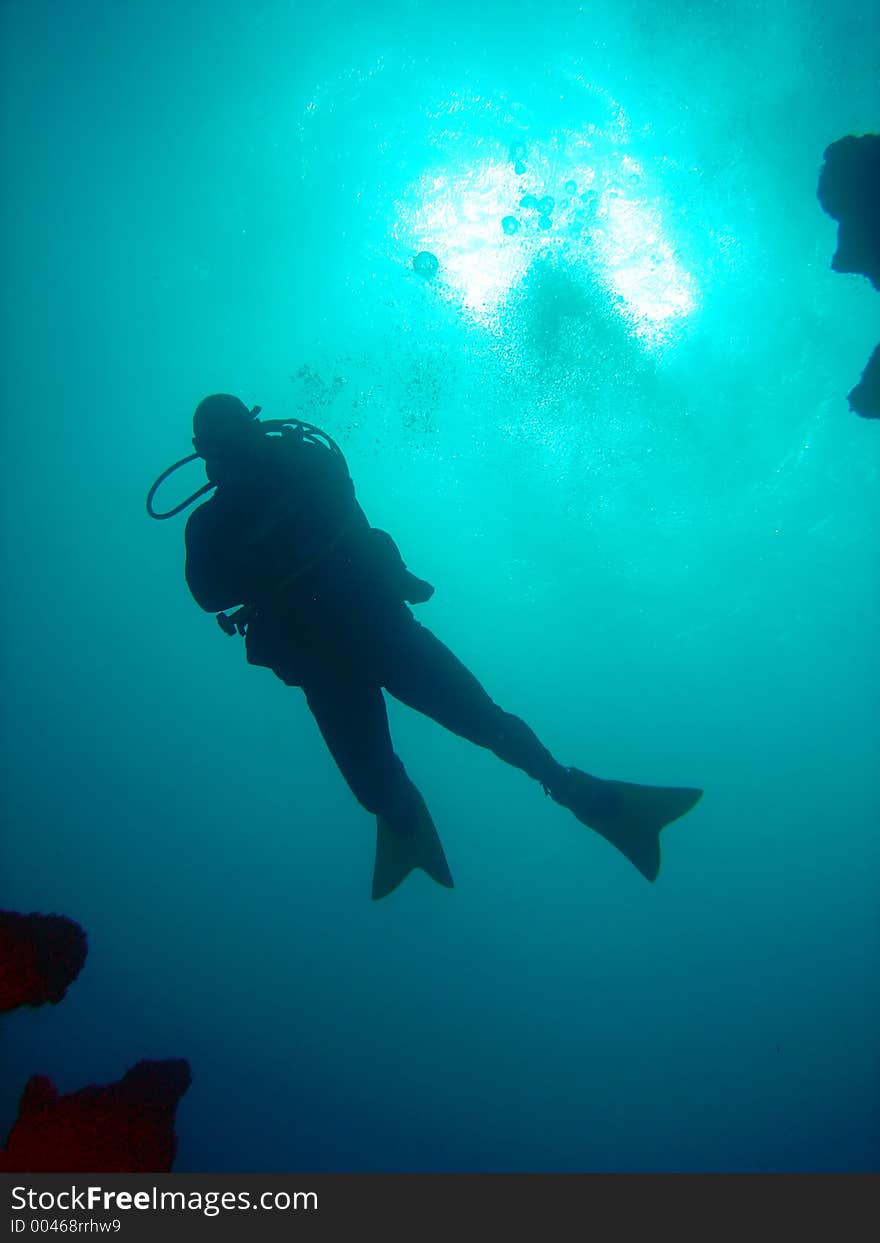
424	674
354	723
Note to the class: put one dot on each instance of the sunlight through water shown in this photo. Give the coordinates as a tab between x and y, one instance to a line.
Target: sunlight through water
488	217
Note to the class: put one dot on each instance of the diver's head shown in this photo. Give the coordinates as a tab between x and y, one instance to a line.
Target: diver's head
227	435
849	190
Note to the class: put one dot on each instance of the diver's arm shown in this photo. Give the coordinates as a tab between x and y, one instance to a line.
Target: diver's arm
211	588
325	490
391	569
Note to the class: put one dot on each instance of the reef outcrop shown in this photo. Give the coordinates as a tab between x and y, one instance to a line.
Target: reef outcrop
40	957
125	1127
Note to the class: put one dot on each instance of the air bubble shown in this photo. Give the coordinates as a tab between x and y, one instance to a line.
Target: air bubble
426	264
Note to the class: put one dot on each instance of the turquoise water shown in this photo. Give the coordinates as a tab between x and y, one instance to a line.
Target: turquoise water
614	437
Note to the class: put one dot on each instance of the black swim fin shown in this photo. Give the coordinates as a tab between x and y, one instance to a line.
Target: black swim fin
628	816
412	843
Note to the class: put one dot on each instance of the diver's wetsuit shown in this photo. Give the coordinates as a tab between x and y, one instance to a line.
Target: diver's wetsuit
329	615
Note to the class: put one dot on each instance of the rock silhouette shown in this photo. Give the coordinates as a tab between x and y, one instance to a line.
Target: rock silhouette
40	957
125	1127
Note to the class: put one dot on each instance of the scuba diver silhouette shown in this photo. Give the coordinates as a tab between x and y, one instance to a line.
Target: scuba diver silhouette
324	601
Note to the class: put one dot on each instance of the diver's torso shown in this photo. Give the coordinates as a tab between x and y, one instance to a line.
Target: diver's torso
297	547
279	531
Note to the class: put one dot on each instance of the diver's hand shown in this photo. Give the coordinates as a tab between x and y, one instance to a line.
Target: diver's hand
416	590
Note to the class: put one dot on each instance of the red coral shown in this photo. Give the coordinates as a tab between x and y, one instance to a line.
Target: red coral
40	957
120	1128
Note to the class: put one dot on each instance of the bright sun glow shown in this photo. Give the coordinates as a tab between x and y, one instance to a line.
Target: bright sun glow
488	222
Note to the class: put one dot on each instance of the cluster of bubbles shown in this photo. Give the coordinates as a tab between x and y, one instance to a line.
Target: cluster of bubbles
485	221
572	212
575	206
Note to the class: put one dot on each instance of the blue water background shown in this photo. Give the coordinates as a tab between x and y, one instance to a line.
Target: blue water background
663	556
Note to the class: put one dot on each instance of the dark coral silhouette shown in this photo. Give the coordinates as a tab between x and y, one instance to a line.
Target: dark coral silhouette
865	397
849	191
119	1128
40	957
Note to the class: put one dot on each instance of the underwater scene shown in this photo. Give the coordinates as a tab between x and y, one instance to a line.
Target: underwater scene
553	285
